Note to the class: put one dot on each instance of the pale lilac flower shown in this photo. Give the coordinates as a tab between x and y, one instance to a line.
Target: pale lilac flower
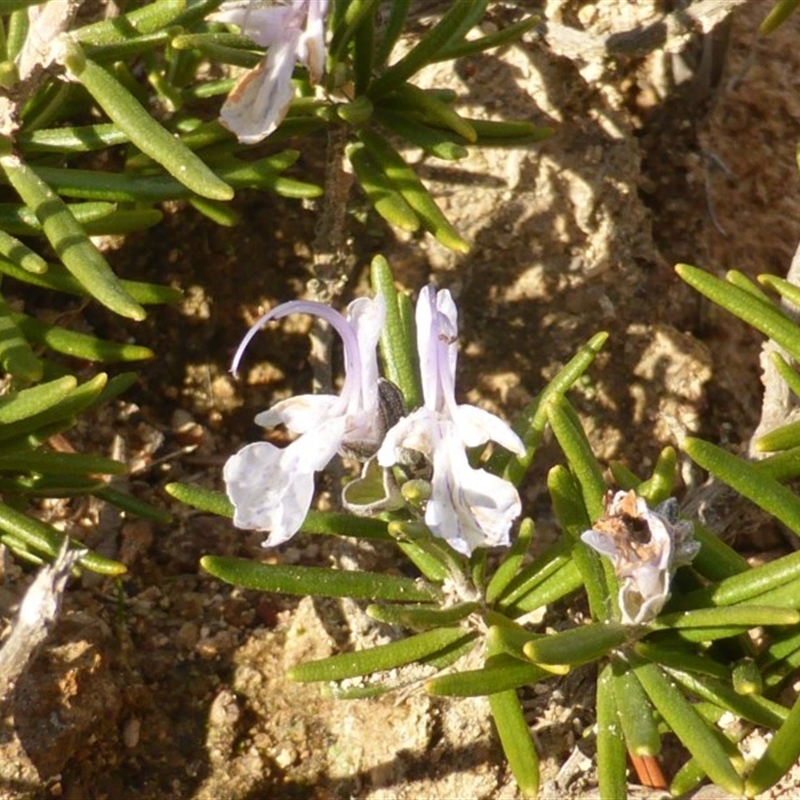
271	488
292	33
468	507
646	547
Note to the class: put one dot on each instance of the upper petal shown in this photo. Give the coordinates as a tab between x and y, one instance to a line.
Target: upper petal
437	336
477	426
266	26
366	317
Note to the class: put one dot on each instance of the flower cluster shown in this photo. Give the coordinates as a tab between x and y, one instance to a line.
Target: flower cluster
292	33
646	547
271	488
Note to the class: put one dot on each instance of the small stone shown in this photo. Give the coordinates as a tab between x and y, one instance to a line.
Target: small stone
131	732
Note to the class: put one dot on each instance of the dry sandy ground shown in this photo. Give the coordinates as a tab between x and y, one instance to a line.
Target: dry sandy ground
170	685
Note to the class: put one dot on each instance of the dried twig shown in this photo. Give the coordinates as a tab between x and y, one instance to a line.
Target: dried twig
36	617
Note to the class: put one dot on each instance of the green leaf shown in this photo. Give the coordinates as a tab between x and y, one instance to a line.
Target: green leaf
780	12
749	616
509	133
635	711
547	589
405	180
125	112
44	539
688	726
529	577
611	761
398	343
716	560
201	499
44	461
501	673
431	109
568	505
658	487
580	645
18	406
500	37
395	21
425	50
358	13
317	581
434	141
746	677
422	616
516	739
512	562
72	139
16	355
572	439
788	291
754	708
530	426
79	345
20	254
321	522
750	585
763	317
132	505
380	658
70	240
141	21
747	480
787	372
59	280
782	752
681	656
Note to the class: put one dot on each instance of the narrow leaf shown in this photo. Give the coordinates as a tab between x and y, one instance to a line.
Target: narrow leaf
689	726
580	645
378	659
125	112
317	581
501	673
531	424
398	347
611	761
70	240
748	480
763	317
516	739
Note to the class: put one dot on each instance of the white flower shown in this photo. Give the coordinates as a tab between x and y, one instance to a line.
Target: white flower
646	547
271	488
293	33
468	507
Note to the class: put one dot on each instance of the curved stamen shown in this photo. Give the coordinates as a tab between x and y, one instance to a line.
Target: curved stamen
330	315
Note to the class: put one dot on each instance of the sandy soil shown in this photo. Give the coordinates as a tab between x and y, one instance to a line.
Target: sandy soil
170	685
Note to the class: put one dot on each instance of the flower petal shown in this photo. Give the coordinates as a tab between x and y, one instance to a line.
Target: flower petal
261	98
477	426
271	488
366	317
265	26
418	431
311	49
302	413
469	508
